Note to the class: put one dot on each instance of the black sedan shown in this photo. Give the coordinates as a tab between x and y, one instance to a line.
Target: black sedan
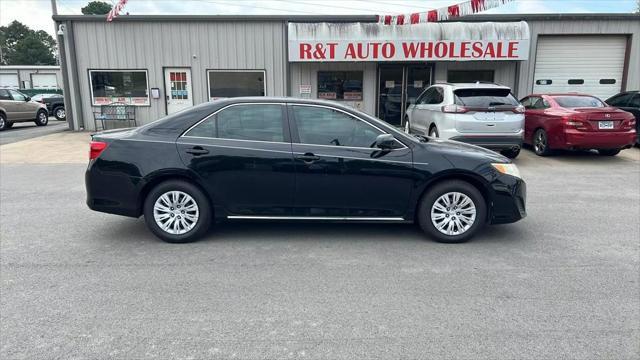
292	159
628	101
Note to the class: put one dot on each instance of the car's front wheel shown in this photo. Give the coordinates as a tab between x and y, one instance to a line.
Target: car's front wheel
511	153
452	211
42	119
177	211
407	125
60	113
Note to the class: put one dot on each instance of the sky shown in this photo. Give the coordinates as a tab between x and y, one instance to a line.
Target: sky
37	13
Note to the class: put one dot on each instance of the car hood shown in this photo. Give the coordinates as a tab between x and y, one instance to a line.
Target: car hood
454	150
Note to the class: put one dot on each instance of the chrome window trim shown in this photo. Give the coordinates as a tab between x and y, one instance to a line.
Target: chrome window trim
350	115
332	218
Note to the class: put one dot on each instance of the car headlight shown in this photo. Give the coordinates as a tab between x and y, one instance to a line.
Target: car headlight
508	169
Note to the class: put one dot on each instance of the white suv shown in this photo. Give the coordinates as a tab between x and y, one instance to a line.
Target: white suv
482	114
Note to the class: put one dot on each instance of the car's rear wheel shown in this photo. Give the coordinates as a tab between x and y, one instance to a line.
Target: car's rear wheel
60	113
452	211
541	143
42	119
177	211
608	152
433	132
511	153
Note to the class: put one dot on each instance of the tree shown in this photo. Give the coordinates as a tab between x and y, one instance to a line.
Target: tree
20	45
96	8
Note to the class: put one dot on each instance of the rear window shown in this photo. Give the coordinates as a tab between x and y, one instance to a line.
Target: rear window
578	101
485	97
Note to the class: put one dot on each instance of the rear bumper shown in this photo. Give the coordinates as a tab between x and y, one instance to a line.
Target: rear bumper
498	142
509	200
575	139
113	194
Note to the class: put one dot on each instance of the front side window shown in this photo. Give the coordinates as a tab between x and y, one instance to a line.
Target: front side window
256	122
127	87
225	83
17	96
635	102
340	85
324	126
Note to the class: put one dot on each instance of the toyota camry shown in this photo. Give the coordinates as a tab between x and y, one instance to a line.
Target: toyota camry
293	159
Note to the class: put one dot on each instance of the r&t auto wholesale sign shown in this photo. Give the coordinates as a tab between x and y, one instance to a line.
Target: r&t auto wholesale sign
335	42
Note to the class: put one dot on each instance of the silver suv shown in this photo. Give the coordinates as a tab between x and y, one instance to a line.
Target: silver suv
482	114
18	107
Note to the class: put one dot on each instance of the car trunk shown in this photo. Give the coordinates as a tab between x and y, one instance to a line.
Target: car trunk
488	110
600	119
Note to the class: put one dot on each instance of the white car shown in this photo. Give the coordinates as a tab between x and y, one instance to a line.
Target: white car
482	114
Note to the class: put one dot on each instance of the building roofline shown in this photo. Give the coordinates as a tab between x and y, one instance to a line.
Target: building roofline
29	67
347	18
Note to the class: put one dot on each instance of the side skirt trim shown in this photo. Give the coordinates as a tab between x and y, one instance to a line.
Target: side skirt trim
329	218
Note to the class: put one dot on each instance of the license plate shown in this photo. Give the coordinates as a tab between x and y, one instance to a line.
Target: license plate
603	125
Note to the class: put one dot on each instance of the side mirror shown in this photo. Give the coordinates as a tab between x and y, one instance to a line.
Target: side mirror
27	98
385	141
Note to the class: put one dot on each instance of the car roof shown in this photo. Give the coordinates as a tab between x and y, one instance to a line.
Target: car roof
473	85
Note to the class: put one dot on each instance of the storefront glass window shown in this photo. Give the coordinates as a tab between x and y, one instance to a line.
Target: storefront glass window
223	84
340	85
469	76
111	86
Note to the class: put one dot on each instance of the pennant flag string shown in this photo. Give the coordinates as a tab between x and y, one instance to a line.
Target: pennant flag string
445	13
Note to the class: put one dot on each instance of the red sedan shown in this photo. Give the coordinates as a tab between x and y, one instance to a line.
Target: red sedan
576	121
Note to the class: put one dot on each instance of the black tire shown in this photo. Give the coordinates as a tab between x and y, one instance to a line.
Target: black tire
433	132
540	143
434	193
511	153
608	152
8	125
42	118
60	113
202	223
4	124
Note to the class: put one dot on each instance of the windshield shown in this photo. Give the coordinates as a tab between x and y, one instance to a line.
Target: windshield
578	101
485	97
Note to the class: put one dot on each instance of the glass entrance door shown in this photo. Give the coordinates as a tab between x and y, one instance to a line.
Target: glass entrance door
399	86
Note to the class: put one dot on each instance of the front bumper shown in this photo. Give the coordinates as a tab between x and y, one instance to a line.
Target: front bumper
575	139
497	142
508	201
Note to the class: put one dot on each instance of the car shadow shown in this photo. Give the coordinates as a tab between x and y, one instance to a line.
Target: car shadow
135	231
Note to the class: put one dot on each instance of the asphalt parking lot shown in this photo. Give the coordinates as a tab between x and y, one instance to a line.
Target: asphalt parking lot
563	283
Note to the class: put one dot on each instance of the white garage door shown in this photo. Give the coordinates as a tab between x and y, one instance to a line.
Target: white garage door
8	81
585	64
44	81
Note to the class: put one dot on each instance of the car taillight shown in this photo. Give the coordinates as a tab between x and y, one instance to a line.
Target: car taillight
454	109
575	123
519	109
96	148
628	125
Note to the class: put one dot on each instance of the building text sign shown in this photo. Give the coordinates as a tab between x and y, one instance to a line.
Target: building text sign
399	50
446	41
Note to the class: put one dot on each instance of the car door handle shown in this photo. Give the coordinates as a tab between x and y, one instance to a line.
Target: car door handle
308	158
197	150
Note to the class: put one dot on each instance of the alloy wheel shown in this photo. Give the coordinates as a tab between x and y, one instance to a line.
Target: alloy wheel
2	122
176	212
42	118
453	213
60	114
540	142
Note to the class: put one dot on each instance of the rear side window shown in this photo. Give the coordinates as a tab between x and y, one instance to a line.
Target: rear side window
485	97
4	95
569	101
635	102
256	122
